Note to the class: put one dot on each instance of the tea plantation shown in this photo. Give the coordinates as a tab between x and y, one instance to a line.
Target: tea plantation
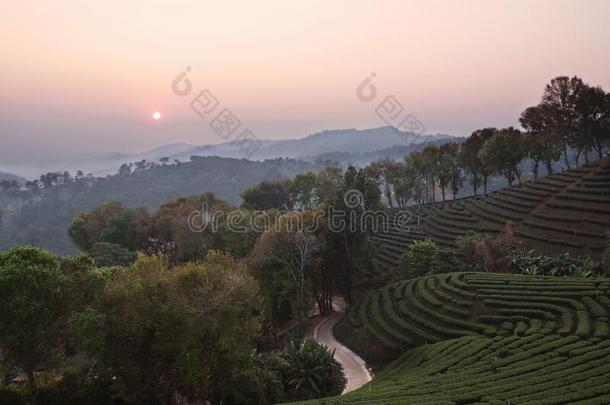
485	338
568	211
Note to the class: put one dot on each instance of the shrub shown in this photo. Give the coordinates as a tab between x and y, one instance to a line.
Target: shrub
485	252
535	263
310	371
421	258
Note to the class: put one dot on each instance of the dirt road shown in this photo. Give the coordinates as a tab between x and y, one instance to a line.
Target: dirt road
353	366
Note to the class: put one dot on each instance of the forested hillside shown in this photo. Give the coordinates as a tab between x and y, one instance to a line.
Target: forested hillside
41	217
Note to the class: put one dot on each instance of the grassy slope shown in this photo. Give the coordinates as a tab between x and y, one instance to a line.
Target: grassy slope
483	338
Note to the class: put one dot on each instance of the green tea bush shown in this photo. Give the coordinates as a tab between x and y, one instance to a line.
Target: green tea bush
534	263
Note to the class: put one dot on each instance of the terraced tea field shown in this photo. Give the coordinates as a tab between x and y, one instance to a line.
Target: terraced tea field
475	370
435	308
485	338
569	211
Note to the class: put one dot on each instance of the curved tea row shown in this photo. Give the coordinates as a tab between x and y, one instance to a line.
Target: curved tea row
434	308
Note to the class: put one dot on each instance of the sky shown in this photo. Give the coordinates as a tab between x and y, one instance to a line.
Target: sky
83	78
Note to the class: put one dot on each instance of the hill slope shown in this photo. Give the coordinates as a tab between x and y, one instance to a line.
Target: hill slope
484	338
10	177
41	218
568	211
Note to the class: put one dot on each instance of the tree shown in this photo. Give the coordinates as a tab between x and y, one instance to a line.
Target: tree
302	188
421	258
444	169
160	335
402	184
416	179
278	288
593	111
107	254
559	101
304	248
470	161
385	173
289	247
174	224
268	195
543	144
349	241
33	309
450	167
111	223
428	166
124	170
328	182
503	152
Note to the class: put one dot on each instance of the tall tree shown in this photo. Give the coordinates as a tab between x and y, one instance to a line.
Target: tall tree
450	155
560	100
268	195
544	143
384	171
328	182
303	190
470	161
503	152
593	111
33	310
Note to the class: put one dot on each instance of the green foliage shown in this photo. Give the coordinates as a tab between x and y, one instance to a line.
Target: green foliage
487	338
111	223
33	309
41	217
502	153
106	254
309	371
539	370
268	195
470	161
112	233
422	257
535	263
156	331
303	189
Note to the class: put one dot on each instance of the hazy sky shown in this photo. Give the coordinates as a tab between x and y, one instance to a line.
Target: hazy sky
84	77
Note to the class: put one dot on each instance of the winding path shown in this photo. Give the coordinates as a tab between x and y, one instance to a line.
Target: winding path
354	367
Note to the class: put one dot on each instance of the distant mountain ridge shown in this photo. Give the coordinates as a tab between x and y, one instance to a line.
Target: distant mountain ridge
310	148
10	177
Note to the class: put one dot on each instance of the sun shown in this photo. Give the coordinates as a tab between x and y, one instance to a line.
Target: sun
156	115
